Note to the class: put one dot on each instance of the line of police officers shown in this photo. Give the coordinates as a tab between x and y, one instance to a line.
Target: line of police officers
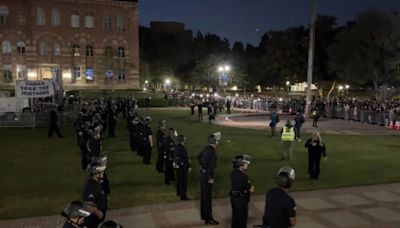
172	153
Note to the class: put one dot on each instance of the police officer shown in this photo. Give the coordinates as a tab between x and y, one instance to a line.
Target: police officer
183	166
94	193
160	137
287	137
169	156
94	143
280	208
147	138
208	161
110	224
141	137
85	135
240	191
75	214
134	133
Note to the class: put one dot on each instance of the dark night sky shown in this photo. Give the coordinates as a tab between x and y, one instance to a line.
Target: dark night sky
248	20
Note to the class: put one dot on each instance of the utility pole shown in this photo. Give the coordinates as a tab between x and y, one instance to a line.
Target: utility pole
310	68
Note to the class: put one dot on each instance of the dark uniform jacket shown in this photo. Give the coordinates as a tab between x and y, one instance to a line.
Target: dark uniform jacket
94	192
240	184
169	148
208	161
160	137
94	147
279	207
182	159
144	133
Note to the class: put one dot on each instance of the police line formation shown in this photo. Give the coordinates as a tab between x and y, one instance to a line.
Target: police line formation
173	162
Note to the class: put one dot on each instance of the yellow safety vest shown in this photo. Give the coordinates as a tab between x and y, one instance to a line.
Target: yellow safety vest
288	134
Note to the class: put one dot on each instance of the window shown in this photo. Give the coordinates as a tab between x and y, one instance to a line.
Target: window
7	73
21	48
4	15
76	50
21	17
89	50
6	47
109	51
42	48
121	52
89	21
121	23
55	18
75	20
21	72
121	75
57	49
40	17
107	23
76	73
89	73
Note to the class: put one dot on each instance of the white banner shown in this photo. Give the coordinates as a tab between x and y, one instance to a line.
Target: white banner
33	89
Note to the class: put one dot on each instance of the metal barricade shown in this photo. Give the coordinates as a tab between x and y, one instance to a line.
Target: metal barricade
19	120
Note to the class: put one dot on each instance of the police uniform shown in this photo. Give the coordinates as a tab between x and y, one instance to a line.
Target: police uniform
93	147
133	134
160	137
279	207
207	160
240	197
169	157
146	133
183	164
83	140
287	137
94	192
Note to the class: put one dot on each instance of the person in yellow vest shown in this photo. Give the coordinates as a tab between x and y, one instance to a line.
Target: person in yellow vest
287	137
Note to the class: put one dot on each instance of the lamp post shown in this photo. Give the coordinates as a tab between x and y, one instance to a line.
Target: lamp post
223	77
167	83
310	58
287	88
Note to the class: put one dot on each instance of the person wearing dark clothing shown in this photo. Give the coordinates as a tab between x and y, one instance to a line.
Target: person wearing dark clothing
208	162
75	213
228	106
147	100
316	148
169	156
78	127
192	105
183	167
93	145
315	115
240	191
274	119
53	125
141	138
134	134
147	138
110	224
160	137
112	121
280	208
95	195
299	120
200	110
83	140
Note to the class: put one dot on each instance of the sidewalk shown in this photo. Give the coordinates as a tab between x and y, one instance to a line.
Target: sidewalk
375	206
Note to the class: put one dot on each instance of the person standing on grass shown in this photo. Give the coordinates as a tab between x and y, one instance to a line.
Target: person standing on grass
299	120
274	119
287	138
316	148
182	166
75	213
53	124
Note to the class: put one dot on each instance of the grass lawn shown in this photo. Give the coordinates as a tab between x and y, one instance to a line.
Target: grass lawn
39	176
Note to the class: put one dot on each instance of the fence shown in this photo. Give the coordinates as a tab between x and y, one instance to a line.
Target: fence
33	120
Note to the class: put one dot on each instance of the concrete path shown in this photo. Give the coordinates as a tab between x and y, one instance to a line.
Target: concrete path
376	206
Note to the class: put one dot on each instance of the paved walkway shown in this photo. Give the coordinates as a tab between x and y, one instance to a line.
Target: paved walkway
375	206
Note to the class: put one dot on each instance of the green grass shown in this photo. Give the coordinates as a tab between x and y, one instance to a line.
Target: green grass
40	176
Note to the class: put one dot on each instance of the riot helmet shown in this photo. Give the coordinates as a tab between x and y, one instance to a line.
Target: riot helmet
97	165
181	139
212	139
161	124
285	177
240	160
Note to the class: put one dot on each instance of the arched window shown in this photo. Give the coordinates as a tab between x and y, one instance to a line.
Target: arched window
55	17
21	48
89	50
76	51
57	49
75	23
89	21
6	47
121	23
42	48
107	23
108	51
4	14
7	73
40	17
121	52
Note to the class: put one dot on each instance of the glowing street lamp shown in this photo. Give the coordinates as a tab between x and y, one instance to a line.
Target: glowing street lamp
287	83
347	86
340	88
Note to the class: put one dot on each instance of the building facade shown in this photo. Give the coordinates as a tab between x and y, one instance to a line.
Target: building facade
90	44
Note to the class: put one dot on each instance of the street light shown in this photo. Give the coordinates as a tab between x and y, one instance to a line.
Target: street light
287	83
347	86
167	83
340	88
223	77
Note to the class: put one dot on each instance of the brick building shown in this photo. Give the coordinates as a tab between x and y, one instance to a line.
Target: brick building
91	44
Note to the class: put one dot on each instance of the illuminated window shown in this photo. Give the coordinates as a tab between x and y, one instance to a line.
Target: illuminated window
21	20
7	73
89	21
6	47
121	23
76	50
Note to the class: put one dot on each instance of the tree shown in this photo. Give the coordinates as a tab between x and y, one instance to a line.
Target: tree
368	51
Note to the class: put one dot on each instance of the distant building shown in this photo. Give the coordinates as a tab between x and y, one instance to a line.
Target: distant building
91	44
